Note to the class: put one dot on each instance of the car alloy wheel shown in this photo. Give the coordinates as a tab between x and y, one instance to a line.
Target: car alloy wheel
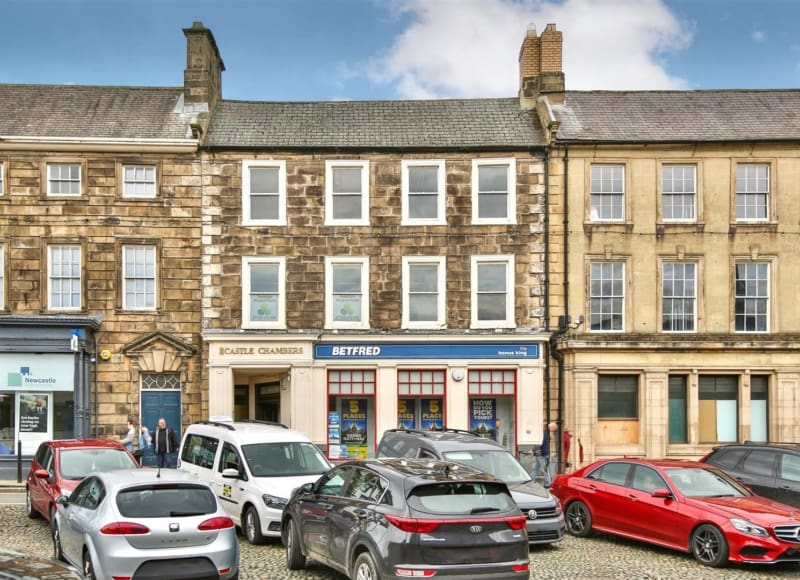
709	546
294	555
29	511
365	568
578	519
58	553
252	526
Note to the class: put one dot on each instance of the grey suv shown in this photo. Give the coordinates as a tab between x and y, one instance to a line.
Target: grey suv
545	521
769	469
389	518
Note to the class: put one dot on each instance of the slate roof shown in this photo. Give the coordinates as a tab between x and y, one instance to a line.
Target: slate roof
439	124
92	112
679	116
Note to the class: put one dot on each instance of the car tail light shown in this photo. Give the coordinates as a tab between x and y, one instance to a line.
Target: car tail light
517	522
405	573
413	525
520	567
220	523
124	529
120	578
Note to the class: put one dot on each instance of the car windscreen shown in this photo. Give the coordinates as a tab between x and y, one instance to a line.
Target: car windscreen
704	482
284	459
461	498
166	500
499	463
78	463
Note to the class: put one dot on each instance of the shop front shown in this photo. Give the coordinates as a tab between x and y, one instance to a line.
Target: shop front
345	394
44	382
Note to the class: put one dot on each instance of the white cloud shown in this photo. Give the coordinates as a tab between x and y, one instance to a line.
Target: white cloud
759	35
469	48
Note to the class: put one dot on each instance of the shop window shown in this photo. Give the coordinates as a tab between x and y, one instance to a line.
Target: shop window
719	401
351	416
618	409
420	403
759	387
492	404
677	409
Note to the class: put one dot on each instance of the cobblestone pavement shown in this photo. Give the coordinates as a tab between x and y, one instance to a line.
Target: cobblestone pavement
597	557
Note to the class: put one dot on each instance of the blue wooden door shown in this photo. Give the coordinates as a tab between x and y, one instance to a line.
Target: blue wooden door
156	404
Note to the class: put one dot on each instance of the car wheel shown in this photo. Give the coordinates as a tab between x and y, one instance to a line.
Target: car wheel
578	519
88	567
365	568
252	527
709	546
58	553
29	509
295	560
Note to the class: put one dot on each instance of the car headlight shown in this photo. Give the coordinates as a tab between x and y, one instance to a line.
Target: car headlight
558	504
274	502
749	528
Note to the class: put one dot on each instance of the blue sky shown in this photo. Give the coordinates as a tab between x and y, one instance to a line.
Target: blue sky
310	50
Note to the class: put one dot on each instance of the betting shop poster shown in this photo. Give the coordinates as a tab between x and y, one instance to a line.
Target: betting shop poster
354	429
432	415
483	417
406	417
32	413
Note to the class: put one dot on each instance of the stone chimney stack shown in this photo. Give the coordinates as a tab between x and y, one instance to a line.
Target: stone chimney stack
540	68
202	79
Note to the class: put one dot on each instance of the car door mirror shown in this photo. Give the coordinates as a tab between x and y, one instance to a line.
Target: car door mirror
231	473
662	493
62	500
42	473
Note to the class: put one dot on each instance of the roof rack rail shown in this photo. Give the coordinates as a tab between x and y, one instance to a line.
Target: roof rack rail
748	442
429	432
216	424
262	422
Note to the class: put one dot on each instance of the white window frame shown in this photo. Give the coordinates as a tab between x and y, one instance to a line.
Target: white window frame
50	180
330	264
682	297
52	276
511	181
747	193
441	280
330	166
249	164
751	299
510	291
610	297
247	262
2	178
441	193
666	195
151	252
594	213
126	183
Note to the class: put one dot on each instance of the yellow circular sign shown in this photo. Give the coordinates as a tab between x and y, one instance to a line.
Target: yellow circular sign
105	354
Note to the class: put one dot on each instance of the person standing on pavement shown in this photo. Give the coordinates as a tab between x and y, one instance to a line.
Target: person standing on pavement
164	441
130	436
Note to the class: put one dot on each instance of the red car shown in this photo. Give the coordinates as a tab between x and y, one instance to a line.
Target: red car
59	466
684	505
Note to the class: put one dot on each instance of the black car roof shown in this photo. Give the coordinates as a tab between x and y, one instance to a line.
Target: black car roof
783	445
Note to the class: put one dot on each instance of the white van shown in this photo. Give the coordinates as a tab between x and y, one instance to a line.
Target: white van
253	467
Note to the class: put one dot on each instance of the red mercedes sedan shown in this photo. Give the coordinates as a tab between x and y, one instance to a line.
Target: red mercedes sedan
684	505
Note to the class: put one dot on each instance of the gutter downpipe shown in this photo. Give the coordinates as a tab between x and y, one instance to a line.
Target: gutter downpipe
564	322
547	372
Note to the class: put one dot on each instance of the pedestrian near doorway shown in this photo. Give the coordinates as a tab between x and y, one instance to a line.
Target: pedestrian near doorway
164	441
130	435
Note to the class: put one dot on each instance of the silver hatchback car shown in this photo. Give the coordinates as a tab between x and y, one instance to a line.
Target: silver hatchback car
145	523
